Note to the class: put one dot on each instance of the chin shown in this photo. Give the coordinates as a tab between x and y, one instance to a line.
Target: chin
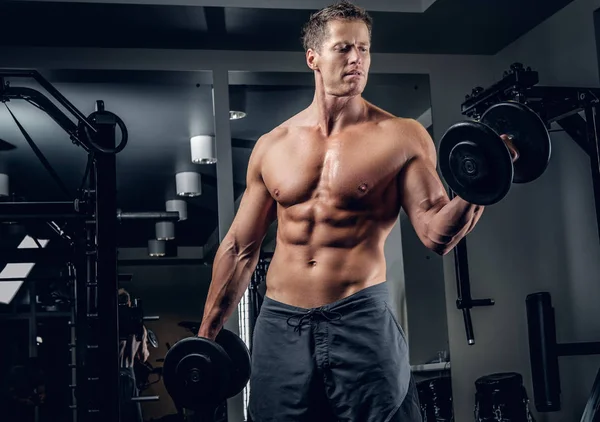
346	91
355	92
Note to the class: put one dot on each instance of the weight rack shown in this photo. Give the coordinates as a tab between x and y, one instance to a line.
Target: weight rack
92	220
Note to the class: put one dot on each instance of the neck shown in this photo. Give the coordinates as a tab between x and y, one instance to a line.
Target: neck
333	113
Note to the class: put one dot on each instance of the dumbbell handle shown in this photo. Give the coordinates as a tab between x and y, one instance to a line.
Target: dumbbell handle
151	318
145	398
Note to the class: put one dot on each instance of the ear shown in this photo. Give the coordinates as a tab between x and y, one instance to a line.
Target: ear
312	59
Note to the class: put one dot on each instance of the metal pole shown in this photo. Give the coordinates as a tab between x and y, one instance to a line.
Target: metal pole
85	265
73	274
150	215
593	135
33	336
105	307
19	211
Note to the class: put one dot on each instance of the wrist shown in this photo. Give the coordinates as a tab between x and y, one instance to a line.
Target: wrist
207	332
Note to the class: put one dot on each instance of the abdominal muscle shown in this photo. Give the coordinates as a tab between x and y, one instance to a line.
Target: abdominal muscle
317	264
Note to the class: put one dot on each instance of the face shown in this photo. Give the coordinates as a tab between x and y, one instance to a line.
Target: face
343	61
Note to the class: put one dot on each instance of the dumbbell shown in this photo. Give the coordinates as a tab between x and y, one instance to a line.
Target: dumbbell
199	374
476	162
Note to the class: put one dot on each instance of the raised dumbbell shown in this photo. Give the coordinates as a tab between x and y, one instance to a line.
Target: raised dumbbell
476	162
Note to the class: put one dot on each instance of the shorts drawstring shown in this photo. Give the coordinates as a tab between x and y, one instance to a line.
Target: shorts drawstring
308	317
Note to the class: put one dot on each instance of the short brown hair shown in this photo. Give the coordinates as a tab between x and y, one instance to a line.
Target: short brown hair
315	30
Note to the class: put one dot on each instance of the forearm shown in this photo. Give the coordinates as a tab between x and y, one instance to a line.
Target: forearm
452	222
231	276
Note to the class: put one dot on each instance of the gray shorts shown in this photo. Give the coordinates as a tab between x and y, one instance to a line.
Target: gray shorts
344	362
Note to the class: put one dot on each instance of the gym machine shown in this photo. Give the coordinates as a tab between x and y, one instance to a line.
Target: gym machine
544	352
565	106
560	105
87	223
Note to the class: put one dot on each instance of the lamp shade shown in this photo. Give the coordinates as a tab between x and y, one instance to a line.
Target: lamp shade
177	205
4	185
203	149
188	184
165	230
157	247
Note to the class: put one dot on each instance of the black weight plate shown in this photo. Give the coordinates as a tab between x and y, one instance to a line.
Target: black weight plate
475	163
196	373
529	135
152	338
240	360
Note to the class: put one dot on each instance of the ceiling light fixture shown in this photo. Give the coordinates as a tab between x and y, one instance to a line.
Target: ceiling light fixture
165	230
203	149
157	247
177	205
188	184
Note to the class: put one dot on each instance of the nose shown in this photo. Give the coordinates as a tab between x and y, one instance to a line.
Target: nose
354	55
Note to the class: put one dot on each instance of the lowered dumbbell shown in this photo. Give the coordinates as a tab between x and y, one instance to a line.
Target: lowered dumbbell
199	374
476	162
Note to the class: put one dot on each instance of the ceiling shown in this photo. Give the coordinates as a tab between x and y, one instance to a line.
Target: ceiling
401	26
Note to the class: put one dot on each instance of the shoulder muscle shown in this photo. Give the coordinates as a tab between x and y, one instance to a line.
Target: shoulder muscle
260	151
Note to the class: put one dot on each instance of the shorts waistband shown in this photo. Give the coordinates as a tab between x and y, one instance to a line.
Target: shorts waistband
369	295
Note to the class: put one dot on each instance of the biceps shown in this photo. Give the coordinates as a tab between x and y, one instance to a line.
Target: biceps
421	190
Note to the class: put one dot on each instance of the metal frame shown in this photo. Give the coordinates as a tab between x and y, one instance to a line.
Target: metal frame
561	105
91	255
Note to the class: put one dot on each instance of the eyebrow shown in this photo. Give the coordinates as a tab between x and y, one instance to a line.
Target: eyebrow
348	42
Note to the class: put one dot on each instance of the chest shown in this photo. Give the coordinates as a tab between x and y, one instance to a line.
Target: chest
346	171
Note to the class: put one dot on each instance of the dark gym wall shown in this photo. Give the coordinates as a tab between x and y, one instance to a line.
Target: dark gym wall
542	237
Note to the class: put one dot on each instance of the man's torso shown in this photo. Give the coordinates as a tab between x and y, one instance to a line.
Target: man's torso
337	200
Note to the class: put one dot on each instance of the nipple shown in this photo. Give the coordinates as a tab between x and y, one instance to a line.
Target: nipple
276	192
363	187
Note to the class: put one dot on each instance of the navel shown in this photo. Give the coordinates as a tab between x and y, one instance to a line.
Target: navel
312	263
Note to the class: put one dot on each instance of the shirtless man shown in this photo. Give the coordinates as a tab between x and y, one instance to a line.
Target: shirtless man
327	346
